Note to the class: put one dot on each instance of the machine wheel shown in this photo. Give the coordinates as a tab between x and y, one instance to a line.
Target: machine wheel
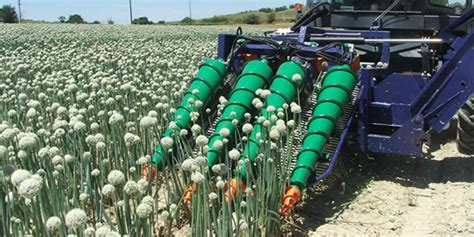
466	127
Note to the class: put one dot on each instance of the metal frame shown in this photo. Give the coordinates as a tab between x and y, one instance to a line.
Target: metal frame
395	112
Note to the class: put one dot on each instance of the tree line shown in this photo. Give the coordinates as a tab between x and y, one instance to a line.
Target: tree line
8	14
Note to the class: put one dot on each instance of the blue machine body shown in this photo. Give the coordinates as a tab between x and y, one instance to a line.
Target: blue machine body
395	112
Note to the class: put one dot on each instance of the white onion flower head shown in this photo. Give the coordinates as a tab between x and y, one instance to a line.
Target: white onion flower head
53	223
22	154
218	144
271	109
76	218
234	154
197	177
295	108
69	159
149	201
167	142
43	152
183	133
131	188
247	128
212	196
274	134
144	210
79	126
235	122
57	160
266	93
30	187
116	177
220	184
19	176
89	232
225	132
84	196
102	231
148	121
187	164
196	129
202	140
243	226
116	118
29	141
108	190
3	152
296	78
142	160
290	123
95	172
201	161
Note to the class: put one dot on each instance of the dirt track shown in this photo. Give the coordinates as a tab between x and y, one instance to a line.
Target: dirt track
392	196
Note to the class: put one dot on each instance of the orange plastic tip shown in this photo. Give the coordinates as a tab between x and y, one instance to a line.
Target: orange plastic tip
145	175
250	57
355	65
231	191
291	197
188	195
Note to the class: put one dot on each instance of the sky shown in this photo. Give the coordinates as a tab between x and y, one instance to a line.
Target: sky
117	10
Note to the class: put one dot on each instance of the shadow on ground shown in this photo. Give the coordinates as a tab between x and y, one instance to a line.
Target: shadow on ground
329	199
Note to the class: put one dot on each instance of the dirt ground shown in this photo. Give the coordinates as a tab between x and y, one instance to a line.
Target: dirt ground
395	196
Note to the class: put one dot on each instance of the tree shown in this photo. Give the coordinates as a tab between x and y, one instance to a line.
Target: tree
216	20
110	21
8	14
142	21
271	17
291	6
252	19
96	22
187	21
62	19
279	9
75	19
265	10
161	22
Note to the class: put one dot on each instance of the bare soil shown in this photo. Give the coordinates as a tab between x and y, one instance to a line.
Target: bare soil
394	196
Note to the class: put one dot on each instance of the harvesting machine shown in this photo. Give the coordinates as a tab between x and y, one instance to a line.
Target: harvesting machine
378	77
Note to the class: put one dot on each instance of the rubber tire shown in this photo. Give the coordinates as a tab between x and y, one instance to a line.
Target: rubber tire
466	127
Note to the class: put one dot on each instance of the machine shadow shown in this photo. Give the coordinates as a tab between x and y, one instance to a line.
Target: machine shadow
330	198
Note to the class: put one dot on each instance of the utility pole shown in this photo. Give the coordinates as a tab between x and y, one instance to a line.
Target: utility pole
19	11
190	16
130	6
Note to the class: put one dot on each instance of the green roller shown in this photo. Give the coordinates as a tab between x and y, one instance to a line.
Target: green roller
256	75
210	76
336	93
290	76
